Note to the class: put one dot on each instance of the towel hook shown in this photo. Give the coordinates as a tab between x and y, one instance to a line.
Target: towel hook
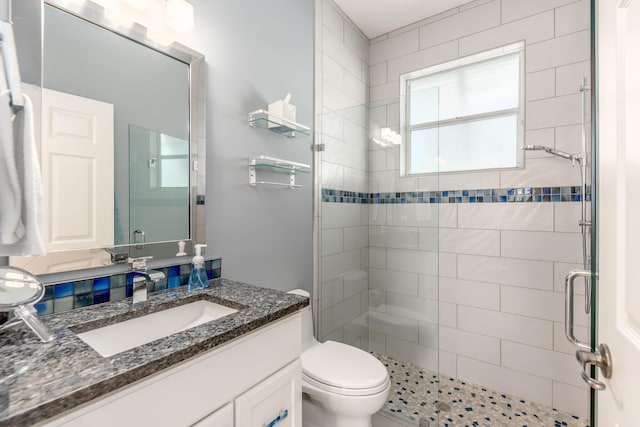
10	60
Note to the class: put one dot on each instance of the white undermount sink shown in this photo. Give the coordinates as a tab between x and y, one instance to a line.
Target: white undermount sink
128	334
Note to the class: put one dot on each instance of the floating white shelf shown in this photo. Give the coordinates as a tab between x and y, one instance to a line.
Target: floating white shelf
274	123
276	165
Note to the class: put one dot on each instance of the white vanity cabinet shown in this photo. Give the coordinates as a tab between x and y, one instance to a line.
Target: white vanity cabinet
223	417
275	402
252	381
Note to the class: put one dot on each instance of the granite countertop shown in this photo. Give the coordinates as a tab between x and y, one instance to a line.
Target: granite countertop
40	380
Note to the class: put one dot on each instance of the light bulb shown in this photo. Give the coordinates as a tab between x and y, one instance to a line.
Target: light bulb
159	37
107	4
391	136
153	19
119	17
179	15
139	6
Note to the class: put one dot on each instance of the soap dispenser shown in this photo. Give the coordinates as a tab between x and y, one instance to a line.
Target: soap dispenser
181	245
198	277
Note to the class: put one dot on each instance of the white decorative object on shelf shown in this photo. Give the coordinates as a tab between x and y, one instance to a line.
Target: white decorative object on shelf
276	165
277	123
282	108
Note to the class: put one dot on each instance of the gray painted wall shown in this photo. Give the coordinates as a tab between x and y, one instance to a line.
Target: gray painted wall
26	16
256	52
4	10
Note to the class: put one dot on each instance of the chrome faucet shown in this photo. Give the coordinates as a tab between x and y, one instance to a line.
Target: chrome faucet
141	277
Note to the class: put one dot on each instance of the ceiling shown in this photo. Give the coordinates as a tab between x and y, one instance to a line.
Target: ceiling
377	17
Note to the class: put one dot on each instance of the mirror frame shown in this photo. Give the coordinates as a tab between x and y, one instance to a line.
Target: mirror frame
94	14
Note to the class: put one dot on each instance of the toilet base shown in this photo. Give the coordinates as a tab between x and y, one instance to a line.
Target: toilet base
315	415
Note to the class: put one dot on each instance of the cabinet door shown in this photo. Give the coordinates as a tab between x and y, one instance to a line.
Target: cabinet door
223	417
275	402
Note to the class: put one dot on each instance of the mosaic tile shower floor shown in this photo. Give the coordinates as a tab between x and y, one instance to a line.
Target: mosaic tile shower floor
414	395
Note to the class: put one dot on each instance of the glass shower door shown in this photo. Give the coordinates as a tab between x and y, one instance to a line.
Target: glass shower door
378	232
379	263
159	187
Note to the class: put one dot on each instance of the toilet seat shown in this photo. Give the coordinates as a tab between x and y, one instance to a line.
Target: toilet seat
342	369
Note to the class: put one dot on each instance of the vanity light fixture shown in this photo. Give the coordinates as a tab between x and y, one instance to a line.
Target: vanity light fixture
162	38
388	138
107	5
163	19
139	6
154	20
179	15
113	11
119	16
389	135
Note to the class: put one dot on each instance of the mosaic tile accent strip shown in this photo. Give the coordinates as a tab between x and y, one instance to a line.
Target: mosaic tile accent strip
415	394
59	297
494	195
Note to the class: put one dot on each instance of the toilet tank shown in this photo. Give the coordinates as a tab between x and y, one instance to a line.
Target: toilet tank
308	339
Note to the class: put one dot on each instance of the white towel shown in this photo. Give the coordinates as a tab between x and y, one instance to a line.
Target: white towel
11	225
20	182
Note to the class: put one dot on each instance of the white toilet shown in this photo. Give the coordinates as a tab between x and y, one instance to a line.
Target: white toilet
342	385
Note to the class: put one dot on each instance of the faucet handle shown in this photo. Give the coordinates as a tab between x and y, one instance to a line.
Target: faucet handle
139	263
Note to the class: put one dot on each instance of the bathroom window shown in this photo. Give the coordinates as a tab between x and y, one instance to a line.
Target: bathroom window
464	115
174	162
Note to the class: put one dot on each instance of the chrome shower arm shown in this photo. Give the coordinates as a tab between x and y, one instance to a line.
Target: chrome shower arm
559	153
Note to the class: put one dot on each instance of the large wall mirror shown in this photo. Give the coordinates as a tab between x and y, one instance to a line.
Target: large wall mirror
122	142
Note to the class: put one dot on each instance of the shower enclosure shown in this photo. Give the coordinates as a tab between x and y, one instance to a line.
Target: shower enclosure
455	280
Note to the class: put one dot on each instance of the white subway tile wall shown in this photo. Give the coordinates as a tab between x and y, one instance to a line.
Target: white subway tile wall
470	290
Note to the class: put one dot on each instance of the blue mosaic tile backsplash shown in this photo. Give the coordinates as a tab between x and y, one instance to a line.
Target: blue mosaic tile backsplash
60	297
493	195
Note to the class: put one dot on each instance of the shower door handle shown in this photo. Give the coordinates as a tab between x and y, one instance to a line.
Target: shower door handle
139	244
568	309
600	358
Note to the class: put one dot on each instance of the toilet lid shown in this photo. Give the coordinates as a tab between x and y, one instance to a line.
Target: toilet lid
344	369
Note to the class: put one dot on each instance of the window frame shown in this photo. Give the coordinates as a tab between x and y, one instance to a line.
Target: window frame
405	91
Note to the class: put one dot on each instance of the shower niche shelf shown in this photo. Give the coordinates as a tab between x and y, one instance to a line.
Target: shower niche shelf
272	164
277	124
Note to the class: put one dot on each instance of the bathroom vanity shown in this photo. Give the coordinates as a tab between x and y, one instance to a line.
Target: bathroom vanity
242	369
